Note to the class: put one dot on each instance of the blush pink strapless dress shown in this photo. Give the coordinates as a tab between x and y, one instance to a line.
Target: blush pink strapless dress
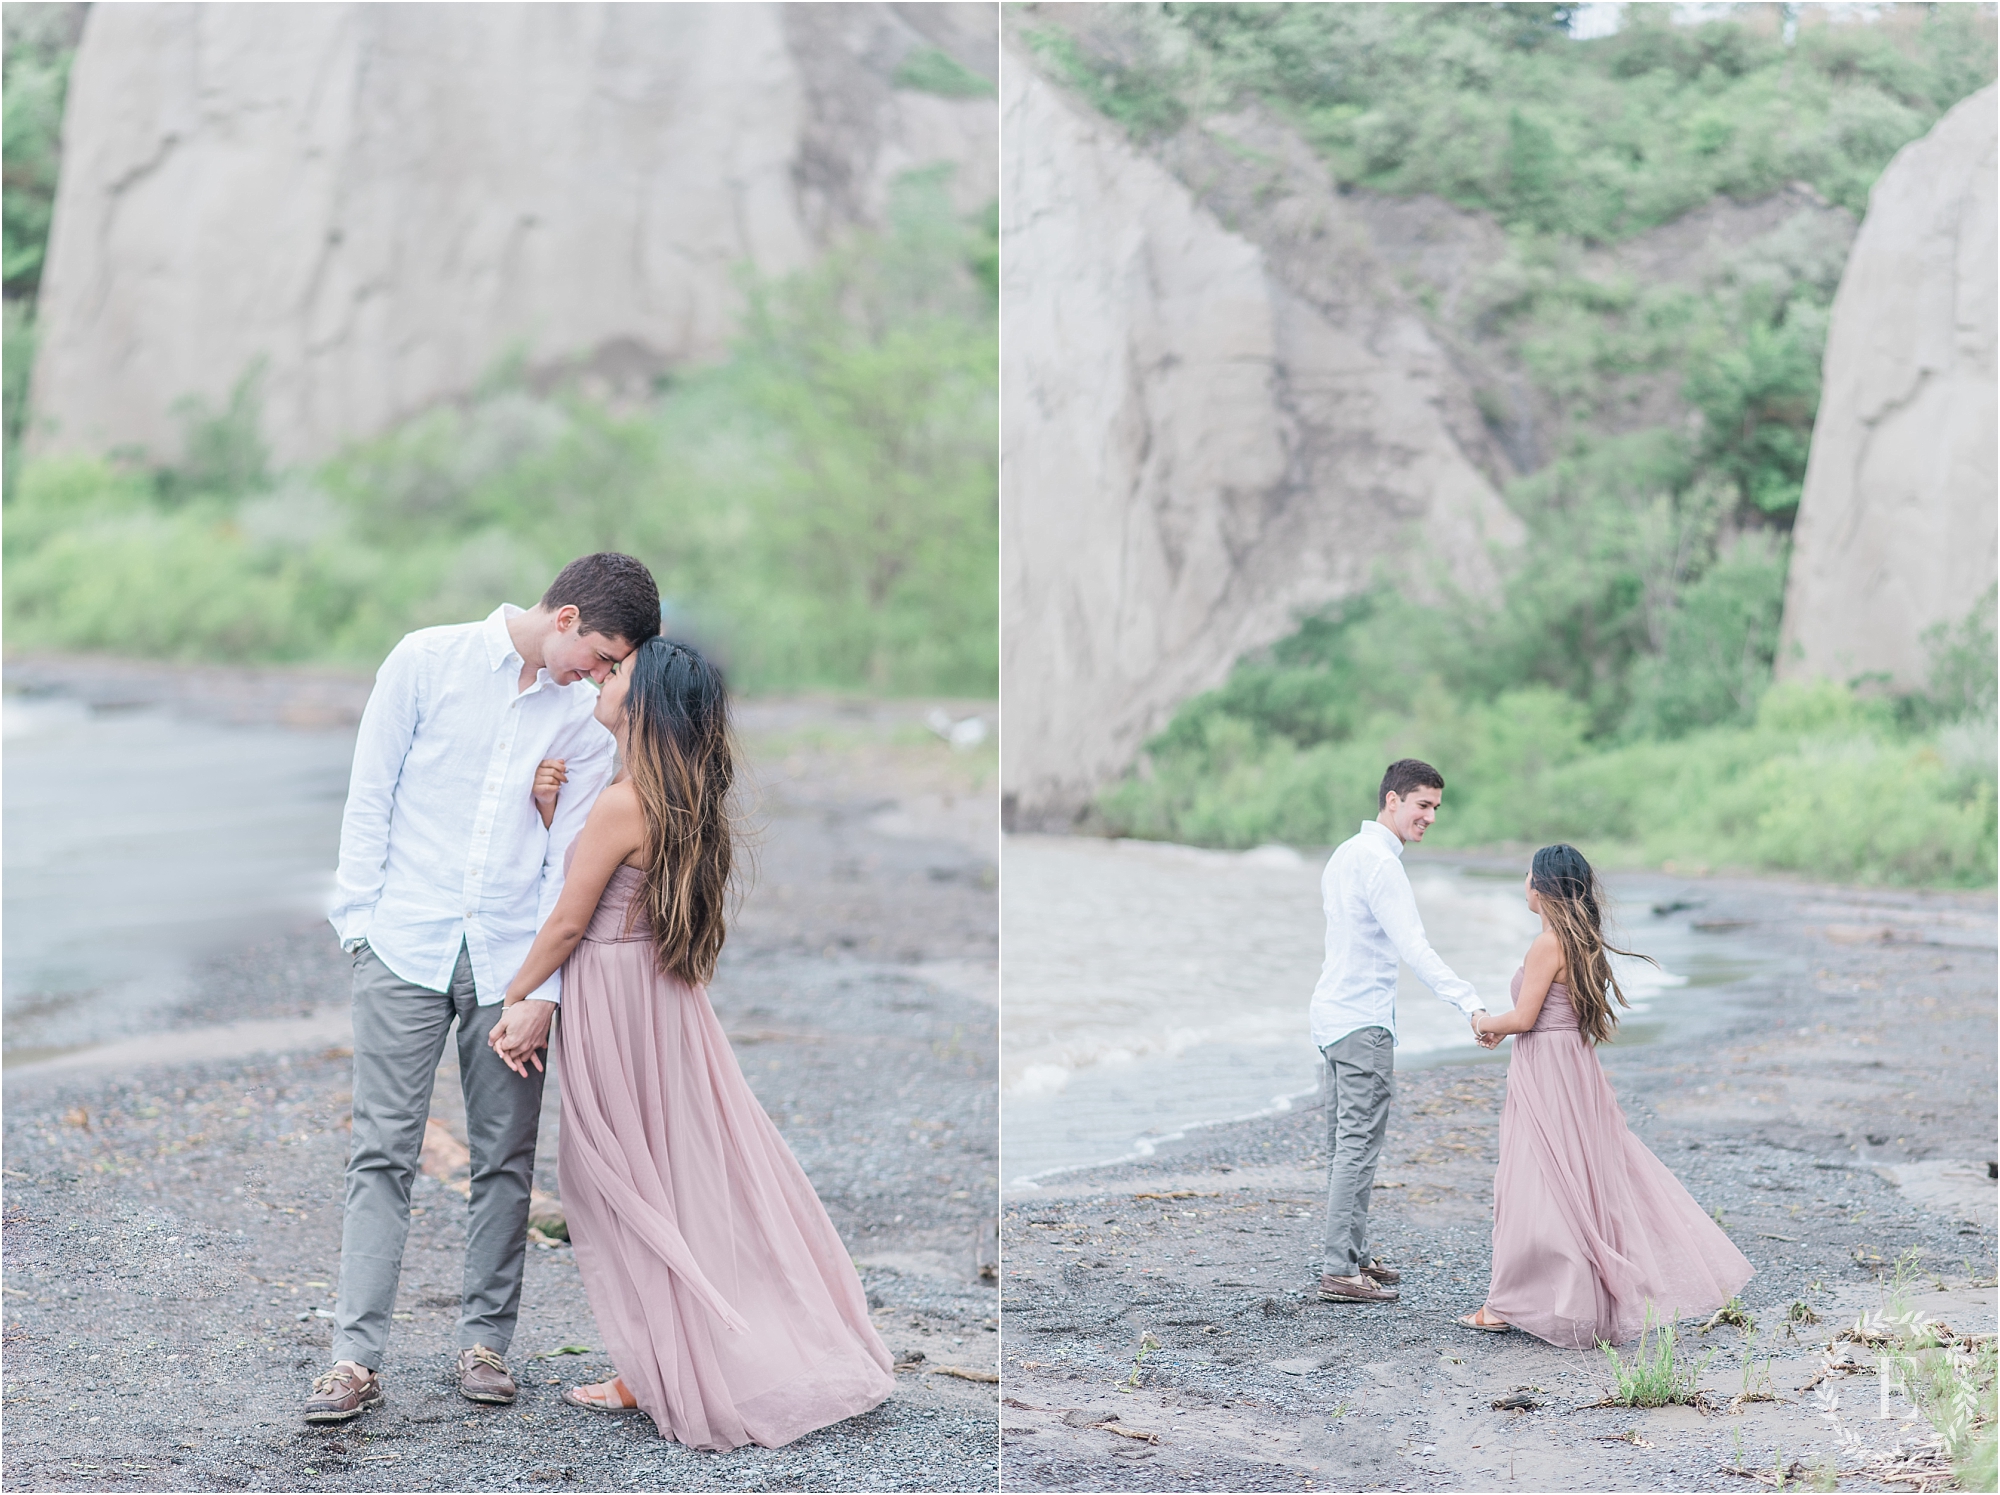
1588	1226
722	1291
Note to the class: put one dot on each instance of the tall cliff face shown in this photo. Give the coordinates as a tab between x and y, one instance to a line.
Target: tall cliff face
382	201
1205	434
1897	527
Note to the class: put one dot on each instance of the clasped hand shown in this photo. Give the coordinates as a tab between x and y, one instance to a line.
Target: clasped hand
520	1033
1486	1040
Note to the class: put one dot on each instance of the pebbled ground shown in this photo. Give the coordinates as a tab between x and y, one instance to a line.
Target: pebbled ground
171	1230
1847	1121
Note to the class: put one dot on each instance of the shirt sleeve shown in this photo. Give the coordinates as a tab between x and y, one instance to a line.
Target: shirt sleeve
1395	909
590	762
388	727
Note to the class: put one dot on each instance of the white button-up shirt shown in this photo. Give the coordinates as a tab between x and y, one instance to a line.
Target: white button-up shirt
441	842
1371	922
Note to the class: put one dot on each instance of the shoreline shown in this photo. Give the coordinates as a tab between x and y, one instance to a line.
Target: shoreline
1090	1086
1875	1028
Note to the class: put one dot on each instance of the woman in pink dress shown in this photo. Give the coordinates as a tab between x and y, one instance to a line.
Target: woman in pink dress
723	1293
1590	1230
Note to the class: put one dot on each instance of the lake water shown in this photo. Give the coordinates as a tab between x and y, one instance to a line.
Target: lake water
1150	988
136	841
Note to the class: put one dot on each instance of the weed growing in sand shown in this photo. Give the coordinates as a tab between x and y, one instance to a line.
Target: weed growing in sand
1949	1379
1823	1475
1756	1383
1801	1312
1954	1388
1732	1312
1147	1344
1658	1376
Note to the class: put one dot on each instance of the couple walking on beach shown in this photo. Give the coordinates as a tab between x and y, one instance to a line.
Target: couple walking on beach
1590	1230
491	868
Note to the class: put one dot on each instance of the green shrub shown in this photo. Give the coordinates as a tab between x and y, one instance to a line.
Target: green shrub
1492	107
1819	782
40	45
1721	639
820	508
929	70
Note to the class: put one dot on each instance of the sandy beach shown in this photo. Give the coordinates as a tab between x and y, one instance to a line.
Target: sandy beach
172	1197
1845	1121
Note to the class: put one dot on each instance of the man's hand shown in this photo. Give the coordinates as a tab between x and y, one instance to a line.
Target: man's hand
521	1032
1486	1040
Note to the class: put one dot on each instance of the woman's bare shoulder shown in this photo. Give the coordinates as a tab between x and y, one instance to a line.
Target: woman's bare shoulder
618	798
621	814
617	813
1546	954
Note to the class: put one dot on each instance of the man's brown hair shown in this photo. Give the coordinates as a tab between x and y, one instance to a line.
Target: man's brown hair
1405	775
613	595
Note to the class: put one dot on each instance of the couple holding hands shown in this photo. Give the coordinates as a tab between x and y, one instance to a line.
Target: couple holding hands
1589	1228
492	868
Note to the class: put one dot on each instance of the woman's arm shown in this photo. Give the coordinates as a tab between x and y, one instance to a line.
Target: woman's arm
1543	965
616	828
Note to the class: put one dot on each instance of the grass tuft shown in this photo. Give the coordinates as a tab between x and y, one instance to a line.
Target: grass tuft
1657	1375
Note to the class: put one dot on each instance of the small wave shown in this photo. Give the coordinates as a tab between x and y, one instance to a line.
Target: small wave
1041	1079
1033	1073
1141	1148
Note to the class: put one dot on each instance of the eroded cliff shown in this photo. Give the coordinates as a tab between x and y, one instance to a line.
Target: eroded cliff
1897	526
1206	433
380	202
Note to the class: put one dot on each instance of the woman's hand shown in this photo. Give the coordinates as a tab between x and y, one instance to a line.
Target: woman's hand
522	1030
550	776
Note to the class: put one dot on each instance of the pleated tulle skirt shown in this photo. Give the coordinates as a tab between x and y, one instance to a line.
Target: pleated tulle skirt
722	1292
1589	1228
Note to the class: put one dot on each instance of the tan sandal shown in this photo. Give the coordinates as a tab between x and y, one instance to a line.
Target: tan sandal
1477	1320
581	1396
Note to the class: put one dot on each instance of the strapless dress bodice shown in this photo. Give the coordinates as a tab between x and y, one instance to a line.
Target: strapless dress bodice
608	924
1558	1014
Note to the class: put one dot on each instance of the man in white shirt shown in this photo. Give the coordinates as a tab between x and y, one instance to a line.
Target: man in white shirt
446	872
1371	923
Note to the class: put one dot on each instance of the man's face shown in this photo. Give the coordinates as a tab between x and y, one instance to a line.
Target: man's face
570	653
1409	817
611	694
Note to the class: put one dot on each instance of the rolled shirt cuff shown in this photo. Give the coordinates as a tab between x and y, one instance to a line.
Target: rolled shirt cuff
352	924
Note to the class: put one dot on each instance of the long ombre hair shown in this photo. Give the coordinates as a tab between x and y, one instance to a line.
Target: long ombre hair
1572	904
681	756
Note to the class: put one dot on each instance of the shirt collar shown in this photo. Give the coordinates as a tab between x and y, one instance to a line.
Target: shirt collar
500	648
1388	836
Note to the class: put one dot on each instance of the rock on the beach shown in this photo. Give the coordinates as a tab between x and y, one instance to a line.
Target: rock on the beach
1205	433
1897	527
381	202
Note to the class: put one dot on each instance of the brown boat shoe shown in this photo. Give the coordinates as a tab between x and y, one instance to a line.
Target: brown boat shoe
482	1376
346	1391
1354	1290
1374	1271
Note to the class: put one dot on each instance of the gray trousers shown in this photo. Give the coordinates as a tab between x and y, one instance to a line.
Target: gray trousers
1360	1080
399	1036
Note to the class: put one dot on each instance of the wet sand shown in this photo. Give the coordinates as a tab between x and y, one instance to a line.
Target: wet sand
1841	1122
172	1211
